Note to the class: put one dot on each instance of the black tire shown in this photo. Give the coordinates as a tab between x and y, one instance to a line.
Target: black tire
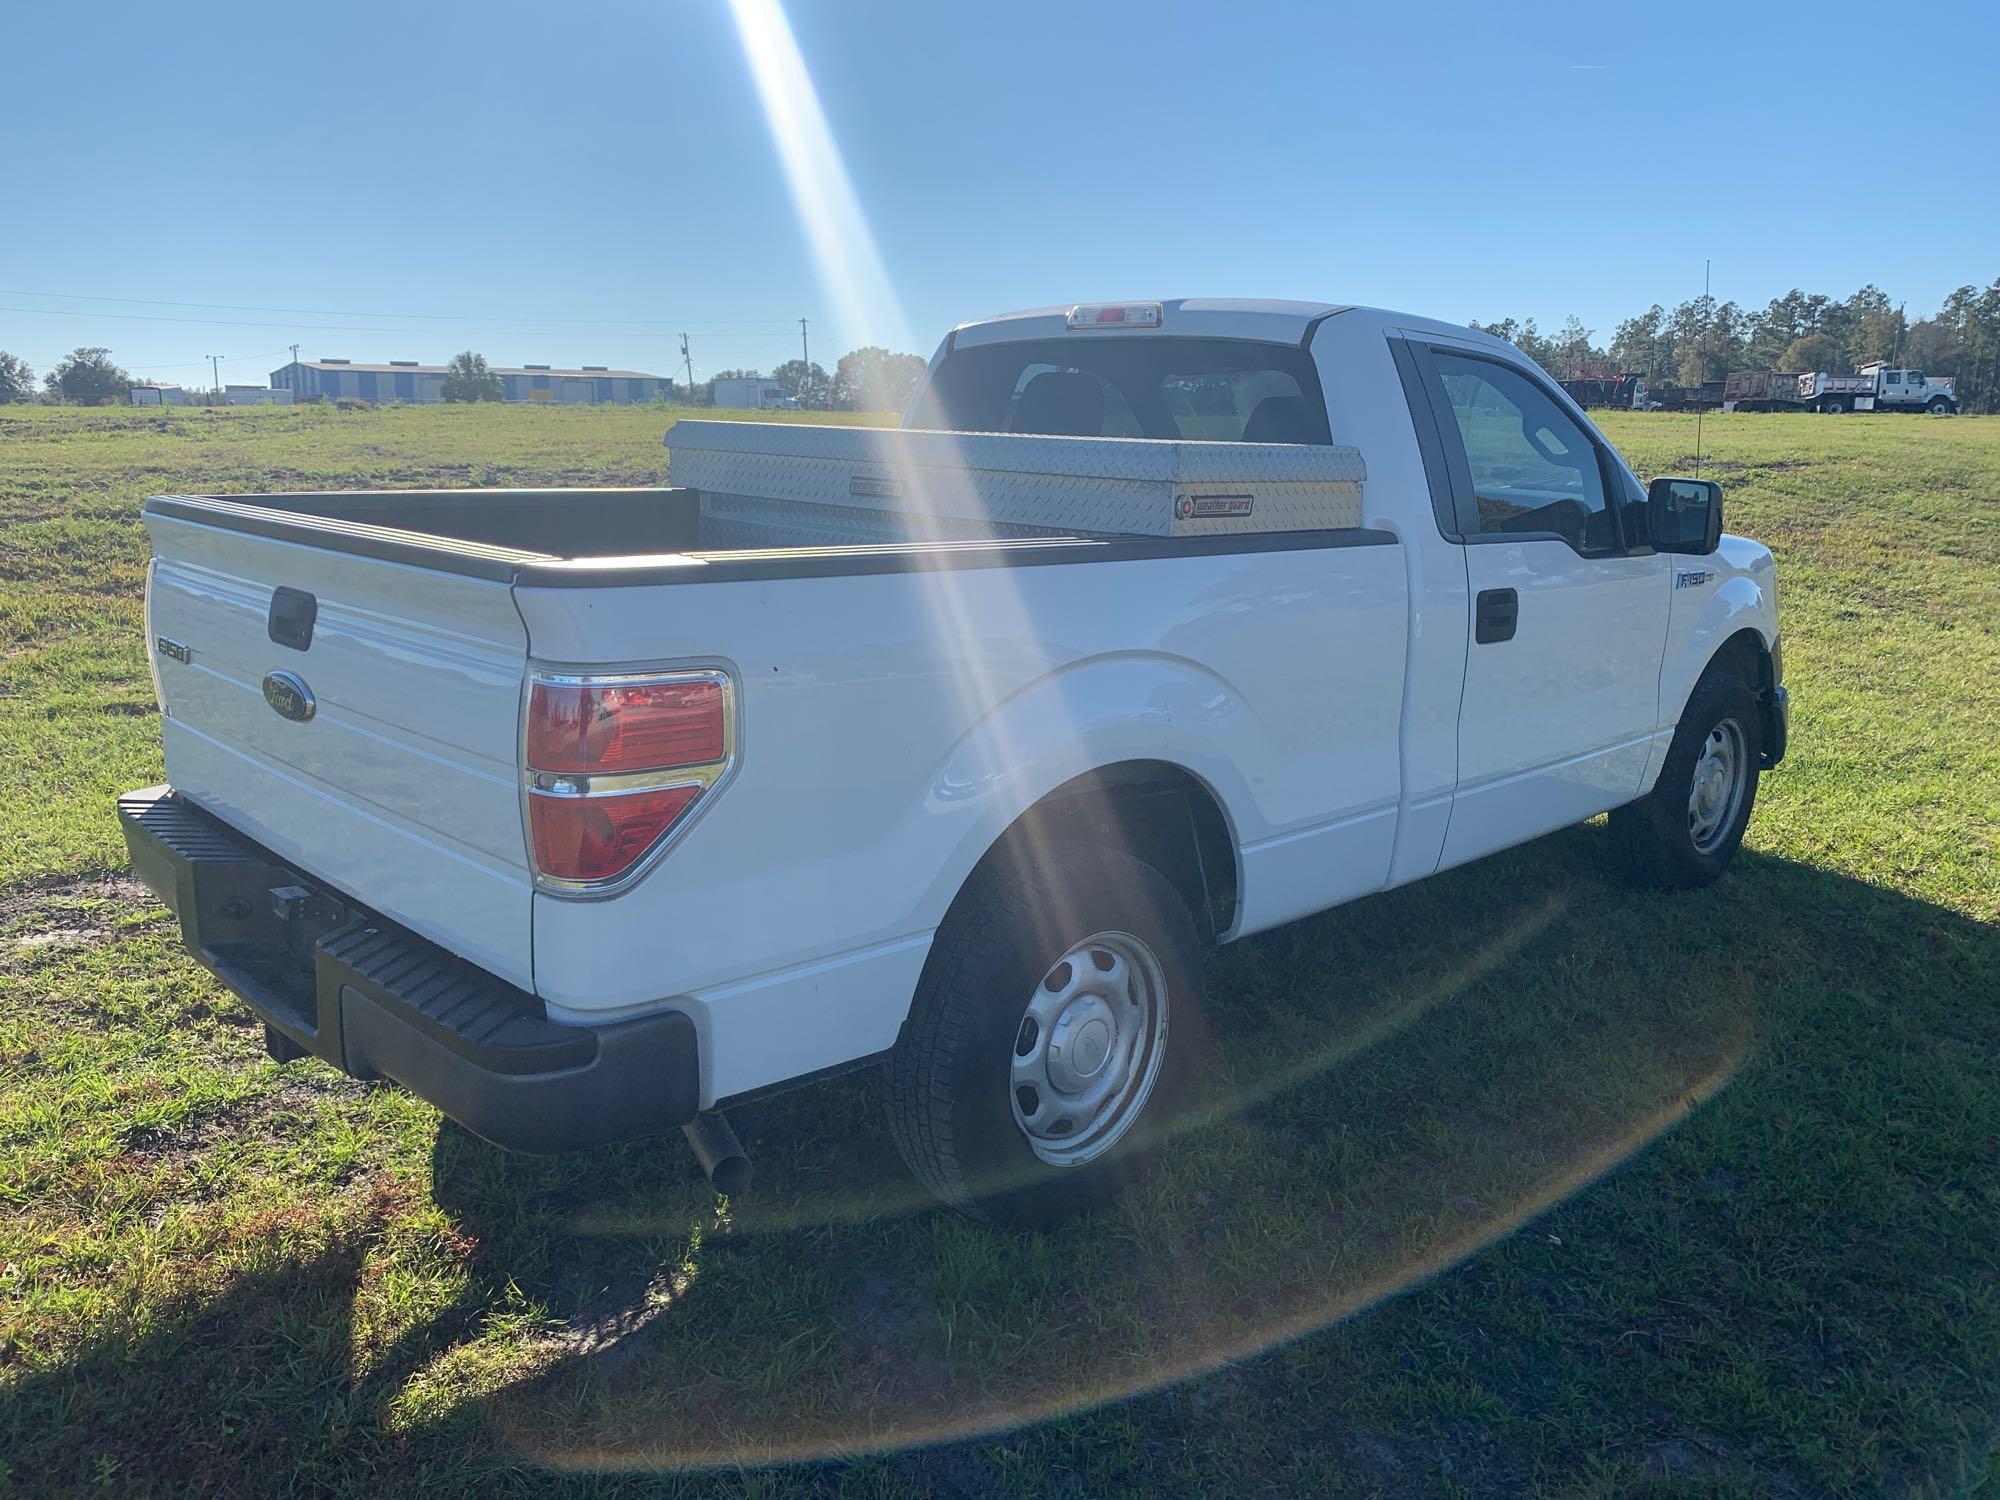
1939	406
1833	406
1655	835
950	1092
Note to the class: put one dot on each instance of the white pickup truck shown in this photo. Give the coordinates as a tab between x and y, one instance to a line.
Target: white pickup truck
587	813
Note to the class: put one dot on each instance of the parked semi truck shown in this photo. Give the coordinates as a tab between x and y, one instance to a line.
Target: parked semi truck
1877	387
587	813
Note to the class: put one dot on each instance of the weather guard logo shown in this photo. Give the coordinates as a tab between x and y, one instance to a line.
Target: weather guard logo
1212	507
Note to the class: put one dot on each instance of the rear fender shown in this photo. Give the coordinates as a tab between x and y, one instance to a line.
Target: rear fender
1083	718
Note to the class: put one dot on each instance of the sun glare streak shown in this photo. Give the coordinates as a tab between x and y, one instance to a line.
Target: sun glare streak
850	264
970	622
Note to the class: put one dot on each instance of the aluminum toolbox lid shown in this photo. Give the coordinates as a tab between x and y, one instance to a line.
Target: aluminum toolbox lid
1092	485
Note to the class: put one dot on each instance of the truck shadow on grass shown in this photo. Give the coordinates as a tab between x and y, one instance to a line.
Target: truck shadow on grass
1399	1084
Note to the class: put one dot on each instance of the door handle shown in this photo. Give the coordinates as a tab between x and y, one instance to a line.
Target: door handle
1495	614
290	622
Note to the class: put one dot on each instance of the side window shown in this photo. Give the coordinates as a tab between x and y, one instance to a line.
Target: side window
1533	469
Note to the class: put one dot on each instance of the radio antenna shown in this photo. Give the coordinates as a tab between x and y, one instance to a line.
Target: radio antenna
1698	406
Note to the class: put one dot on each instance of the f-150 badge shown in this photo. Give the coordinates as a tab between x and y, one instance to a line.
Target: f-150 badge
1692	579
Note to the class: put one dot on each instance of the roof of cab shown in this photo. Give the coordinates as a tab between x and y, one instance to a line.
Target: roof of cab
1267	320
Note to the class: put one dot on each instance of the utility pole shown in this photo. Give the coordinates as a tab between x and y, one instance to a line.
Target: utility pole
805	359
687	359
215	373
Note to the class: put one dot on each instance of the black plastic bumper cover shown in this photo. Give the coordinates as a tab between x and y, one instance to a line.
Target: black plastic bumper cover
377	1001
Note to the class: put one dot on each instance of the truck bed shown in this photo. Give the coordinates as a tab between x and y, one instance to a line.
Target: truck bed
795	499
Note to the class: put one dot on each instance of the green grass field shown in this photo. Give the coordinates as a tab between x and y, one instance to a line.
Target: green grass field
1531	1181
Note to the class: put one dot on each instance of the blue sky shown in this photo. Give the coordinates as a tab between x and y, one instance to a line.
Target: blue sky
578	183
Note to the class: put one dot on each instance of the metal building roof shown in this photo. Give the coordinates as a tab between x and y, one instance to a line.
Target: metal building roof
586	373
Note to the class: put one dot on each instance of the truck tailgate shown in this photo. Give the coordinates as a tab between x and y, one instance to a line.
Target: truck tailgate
401	787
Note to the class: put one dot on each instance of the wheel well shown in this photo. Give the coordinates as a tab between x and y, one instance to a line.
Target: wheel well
1744	654
1157	812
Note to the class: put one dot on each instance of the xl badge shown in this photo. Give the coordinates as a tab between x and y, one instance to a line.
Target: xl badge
287	693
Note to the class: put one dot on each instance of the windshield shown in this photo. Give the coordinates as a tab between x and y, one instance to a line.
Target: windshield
1219	390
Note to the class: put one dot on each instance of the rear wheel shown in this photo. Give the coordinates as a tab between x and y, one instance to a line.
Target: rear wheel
1054	1036
1833	406
1685	832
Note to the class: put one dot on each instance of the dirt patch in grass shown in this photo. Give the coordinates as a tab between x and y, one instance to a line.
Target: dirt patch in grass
66	911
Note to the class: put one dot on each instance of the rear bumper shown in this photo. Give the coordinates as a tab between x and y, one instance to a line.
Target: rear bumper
377	1001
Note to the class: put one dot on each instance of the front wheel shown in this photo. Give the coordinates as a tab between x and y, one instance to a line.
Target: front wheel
1939	406
1054	1036
1685	831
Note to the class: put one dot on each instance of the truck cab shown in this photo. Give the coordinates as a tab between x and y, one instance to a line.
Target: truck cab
1911	390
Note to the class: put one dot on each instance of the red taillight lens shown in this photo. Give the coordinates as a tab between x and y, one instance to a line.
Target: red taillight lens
614	763
610	726
595	838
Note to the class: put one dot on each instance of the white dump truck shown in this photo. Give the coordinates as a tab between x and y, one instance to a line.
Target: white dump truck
1877	387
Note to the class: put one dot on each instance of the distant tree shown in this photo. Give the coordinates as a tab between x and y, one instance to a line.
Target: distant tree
468	379
1709	339
1815	351
1642	344
1783	322
1874	328
1526	337
873	379
1573	352
17	381
87	377
1932	346
807	382
1963	341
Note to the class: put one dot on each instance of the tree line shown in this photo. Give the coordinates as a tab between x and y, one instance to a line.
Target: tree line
1695	342
1701	340
866	379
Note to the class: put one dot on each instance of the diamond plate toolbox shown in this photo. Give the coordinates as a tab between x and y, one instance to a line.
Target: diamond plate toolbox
792	484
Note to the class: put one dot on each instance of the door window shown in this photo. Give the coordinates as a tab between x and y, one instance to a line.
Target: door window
1533	469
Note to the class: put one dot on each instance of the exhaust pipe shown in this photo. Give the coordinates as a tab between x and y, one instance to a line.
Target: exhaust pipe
720	1153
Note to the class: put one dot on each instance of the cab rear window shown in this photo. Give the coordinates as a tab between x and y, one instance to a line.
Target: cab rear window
1216	390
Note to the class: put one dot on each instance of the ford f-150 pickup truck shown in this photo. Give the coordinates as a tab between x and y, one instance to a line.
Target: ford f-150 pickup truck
588	813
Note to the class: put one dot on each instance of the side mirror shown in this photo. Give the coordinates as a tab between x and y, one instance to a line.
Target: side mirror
1684	515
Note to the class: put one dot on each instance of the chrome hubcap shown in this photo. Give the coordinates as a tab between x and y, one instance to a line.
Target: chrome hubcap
1720	777
1089	1047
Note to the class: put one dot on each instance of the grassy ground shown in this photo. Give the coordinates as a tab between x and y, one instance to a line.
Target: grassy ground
1689	1196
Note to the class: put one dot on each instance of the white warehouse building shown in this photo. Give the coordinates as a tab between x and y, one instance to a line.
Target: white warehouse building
406	380
752	392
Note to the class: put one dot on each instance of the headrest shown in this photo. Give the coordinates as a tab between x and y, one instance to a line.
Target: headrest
1279	419
1061	403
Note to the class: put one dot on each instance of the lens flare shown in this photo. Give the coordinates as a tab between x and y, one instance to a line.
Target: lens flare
850	265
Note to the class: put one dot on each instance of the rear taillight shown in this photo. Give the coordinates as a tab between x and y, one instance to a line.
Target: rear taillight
615	765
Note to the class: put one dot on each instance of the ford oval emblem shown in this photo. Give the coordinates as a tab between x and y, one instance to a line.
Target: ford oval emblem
287	693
